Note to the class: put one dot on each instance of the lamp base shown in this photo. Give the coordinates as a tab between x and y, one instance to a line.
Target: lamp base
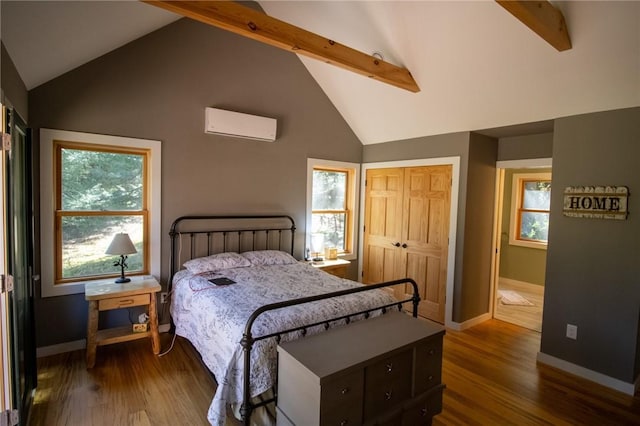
122	280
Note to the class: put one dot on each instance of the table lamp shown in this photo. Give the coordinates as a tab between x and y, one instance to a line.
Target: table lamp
122	246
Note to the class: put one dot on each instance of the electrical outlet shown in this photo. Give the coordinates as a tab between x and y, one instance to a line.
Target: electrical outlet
572	331
163	297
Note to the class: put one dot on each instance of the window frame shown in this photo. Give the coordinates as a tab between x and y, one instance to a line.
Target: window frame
517	198
352	189
60	213
48	203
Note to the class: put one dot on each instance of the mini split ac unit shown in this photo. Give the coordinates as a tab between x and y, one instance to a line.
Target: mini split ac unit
239	125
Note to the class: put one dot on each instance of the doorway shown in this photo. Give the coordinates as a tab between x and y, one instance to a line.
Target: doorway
523	192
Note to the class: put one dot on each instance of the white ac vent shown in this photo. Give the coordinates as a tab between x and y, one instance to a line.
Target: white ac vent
239	125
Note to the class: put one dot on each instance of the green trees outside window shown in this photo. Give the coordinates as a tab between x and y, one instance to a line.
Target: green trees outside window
329	206
534	212
100	191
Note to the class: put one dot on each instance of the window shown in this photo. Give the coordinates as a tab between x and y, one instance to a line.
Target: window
531	198
331	206
100	191
100	185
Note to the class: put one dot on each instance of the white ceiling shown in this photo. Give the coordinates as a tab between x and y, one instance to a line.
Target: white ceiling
477	66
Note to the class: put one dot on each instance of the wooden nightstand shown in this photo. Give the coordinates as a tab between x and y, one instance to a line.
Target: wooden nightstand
107	295
336	267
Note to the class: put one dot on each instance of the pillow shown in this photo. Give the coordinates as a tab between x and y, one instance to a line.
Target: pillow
216	262
269	257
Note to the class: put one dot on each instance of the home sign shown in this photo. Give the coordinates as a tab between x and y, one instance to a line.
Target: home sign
599	202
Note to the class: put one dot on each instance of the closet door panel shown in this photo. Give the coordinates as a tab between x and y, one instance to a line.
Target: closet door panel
383	221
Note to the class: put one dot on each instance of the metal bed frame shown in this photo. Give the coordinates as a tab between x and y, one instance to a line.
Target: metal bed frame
262	232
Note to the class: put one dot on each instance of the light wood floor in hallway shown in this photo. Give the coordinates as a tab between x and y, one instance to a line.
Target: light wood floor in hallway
490	371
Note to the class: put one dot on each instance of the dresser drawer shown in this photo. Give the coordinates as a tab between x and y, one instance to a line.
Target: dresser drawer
387	383
341	400
422	409
124	302
428	365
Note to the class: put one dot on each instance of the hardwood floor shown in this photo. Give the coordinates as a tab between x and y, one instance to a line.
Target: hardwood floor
525	316
490	371
127	386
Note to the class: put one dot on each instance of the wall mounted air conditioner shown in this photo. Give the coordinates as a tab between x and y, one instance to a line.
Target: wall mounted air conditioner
239	125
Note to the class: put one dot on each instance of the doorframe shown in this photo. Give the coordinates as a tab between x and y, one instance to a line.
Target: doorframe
5	357
454	162
496	246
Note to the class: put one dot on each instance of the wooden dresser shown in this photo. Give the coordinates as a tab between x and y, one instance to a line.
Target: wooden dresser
381	371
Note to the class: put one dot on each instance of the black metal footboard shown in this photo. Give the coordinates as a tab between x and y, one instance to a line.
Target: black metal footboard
248	339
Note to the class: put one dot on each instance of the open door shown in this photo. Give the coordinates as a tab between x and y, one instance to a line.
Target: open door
18	332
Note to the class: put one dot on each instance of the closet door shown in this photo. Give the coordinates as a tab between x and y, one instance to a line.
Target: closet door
425	237
406	232
382	224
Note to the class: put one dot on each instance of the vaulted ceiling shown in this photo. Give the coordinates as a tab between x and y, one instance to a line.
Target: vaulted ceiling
477	66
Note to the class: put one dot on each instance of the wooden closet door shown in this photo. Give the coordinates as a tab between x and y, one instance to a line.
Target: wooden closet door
406	232
382	224
425	238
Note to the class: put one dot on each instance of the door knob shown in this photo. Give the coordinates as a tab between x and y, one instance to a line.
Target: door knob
404	245
395	244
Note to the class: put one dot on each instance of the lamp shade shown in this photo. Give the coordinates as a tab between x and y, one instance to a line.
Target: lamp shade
121	244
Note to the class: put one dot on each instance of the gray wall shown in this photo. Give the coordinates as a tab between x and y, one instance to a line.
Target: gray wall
593	268
476	192
525	147
157	87
474	294
516	262
14	92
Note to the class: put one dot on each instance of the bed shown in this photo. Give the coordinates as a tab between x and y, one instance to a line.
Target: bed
268	297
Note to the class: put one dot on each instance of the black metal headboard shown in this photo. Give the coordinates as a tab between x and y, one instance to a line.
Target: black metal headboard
204	235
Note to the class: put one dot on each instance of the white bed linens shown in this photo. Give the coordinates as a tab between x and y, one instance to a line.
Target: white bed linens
213	318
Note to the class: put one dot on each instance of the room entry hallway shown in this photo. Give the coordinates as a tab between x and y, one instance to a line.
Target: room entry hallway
490	372
525	314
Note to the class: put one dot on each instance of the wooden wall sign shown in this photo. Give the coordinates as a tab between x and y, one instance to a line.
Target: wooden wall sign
599	202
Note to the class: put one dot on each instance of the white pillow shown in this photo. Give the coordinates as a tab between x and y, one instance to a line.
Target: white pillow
216	262
269	257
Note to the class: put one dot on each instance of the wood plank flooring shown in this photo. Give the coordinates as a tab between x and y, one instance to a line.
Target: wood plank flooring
524	316
490	372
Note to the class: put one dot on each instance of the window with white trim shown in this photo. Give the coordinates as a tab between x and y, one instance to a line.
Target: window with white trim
100	185
331	206
530	209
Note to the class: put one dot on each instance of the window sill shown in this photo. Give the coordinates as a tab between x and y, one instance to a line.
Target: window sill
528	244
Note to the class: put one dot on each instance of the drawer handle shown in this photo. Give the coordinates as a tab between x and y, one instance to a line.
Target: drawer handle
126	302
344	423
431	351
424	412
388	395
389	367
344	391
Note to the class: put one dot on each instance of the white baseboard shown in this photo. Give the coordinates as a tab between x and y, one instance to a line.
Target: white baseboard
585	373
75	345
522	285
459	326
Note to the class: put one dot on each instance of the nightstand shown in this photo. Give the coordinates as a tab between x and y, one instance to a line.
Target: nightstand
336	267
106	295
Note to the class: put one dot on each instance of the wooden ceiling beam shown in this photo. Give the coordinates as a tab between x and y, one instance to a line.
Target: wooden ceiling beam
250	23
543	18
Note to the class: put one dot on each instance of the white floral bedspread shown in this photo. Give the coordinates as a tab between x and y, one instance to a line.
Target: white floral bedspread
213	318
